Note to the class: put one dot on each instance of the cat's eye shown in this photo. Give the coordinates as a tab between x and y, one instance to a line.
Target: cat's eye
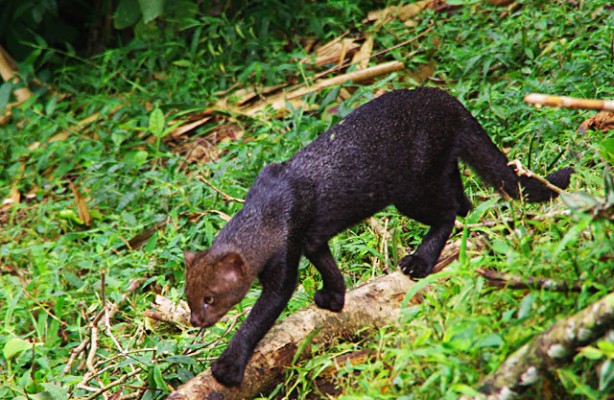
209	300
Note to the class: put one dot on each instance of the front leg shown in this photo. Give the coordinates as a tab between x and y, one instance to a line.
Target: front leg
278	283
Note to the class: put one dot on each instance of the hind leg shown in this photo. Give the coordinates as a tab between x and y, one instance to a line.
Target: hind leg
464	204
332	294
446	200
420	264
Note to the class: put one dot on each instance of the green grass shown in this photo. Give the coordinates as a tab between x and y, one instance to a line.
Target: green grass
52	266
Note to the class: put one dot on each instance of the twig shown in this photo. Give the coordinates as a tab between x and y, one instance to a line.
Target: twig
131	396
379	229
225	196
382	233
111	385
109	333
491	223
126	354
500	279
74	353
538	100
522	171
89	361
357	60
41	305
280	100
103	289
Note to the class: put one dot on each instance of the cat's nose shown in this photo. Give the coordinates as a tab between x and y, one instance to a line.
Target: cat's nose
194	321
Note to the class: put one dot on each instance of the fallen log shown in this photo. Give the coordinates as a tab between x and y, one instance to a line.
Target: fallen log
374	304
548	350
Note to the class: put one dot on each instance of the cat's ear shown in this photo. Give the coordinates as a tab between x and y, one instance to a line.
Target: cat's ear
189	258
232	267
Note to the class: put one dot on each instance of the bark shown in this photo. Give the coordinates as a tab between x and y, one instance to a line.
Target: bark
376	303
549	350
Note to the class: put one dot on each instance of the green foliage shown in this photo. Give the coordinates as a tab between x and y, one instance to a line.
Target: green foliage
52	265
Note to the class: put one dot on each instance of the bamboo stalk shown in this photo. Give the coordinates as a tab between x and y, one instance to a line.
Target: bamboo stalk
538	100
279	102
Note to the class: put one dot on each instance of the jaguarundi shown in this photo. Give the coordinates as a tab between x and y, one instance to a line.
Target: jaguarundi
401	148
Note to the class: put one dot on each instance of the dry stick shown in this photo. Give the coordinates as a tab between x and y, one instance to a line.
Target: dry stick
384	236
225	196
376	303
366	73
102	371
109	333
111	385
347	64
539	100
548	350
41	305
279	101
522	171
491	223
134	285
500	279
124	354
131	396
89	361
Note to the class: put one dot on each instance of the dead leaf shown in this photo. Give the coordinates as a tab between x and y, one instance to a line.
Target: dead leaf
423	72
84	213
602	121
402	13
168	311
142	238
205	149
7	71
245	95
13	198
334	51
187	127
362	56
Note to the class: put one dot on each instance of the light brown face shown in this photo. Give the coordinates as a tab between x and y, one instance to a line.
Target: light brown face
213	285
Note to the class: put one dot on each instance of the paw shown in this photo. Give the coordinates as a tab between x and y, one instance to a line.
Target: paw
228	371
329	300
415	267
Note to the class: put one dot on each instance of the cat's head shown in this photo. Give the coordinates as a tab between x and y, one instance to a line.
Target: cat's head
213	284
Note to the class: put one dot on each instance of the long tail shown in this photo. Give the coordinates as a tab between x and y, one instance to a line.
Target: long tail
478	150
